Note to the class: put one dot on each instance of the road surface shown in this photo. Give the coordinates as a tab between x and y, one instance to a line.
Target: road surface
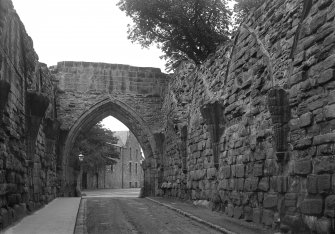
120	211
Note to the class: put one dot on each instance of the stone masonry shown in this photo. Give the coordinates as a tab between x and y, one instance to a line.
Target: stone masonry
89	92
28	125
250	130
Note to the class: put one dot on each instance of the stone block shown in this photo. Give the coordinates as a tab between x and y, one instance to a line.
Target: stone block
324	183
312	184
329	113
315	104
270	200
4	214
223	184
311	206
256	215
271	167
251	184
330	206
281	184
3	189
329	62
226	172
12	199
303	143
267	217
326	76
297	77
211	173
260	155
240	184
324	164
240	170
290	199
305	119
258	170
247	211
238	211
323	226
302	167
263	184
233	170
230	210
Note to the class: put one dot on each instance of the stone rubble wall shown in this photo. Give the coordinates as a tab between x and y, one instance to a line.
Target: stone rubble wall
27	149
84	82
258	117
88	92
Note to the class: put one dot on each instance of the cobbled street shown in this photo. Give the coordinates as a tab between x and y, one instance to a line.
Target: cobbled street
121	211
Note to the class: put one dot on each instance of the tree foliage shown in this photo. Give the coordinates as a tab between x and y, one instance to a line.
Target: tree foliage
97	147
187	29
242	9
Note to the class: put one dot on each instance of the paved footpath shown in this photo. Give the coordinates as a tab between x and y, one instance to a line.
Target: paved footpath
57	217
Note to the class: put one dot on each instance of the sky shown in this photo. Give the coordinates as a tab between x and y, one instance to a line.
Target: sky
84	30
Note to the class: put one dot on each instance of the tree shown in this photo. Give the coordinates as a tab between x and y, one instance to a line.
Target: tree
242	9
97	147
187	29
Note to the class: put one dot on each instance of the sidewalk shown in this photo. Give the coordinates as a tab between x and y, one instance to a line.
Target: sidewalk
57	217
216	220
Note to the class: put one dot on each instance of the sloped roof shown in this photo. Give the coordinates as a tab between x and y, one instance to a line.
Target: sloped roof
122	137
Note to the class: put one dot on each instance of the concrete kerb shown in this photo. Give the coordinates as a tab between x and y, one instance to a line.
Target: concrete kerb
80	226
211	225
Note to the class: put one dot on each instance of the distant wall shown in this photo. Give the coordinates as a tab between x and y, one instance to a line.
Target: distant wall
114	178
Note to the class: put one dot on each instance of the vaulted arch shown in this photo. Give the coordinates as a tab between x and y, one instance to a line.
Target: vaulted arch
99	111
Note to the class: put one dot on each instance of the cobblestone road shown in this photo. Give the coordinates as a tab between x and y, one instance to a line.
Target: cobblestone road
120	211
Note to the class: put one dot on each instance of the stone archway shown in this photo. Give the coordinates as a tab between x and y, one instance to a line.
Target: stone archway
120	111
89	92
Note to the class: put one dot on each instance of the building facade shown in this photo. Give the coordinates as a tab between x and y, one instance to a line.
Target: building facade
125	173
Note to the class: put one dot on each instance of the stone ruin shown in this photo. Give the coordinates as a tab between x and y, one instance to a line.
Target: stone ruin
250	130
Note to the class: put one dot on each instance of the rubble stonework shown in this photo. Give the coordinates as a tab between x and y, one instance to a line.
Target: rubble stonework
250	130
275	86
27	155
89	92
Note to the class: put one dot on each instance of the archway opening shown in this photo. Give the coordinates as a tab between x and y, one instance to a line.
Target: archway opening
112	157
137	127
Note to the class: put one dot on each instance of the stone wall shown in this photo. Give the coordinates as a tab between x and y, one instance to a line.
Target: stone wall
89	92
27	123
251	129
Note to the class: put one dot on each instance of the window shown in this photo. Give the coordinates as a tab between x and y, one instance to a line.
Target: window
136	168
130	168
136	154
135	184
129	184
130	153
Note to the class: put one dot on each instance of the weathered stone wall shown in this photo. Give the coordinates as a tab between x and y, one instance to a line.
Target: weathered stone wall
89	92
251	129
84	84
27	126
